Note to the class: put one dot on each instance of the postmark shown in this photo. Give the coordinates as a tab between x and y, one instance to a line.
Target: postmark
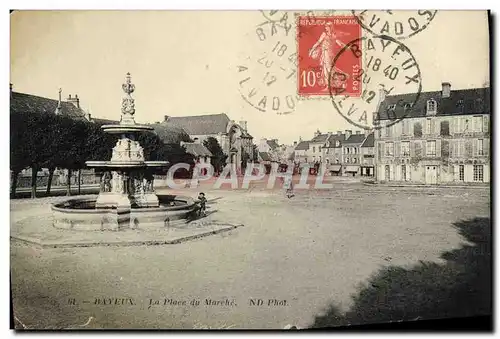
320	39
267	73
396	24
389	68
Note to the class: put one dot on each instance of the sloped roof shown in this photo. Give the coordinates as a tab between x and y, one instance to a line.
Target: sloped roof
265	156
196	149
355	139
369	141
302	146
334	137
170	134
319	138
460	102
272	143
22	102
201	124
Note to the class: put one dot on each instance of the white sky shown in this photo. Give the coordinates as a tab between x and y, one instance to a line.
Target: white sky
185	63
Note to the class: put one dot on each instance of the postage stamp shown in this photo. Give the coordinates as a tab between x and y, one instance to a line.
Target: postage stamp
390	68
320	39
397	24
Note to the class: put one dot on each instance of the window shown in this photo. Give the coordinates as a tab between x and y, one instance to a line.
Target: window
380	150
428	126
391	107
417	129
314	149
418	149
347	160
480	144
389	149
460	106
355	160
486	124
337	161
405	148
346	149
477	124
461	172
403	172
327	161
387	172
408	105
431	148
354	149
445	128
319	149
445	148
431	106
478	173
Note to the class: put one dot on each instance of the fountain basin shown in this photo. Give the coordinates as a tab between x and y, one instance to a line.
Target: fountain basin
80	214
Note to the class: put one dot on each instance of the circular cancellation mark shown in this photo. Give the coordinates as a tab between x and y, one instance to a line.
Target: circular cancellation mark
397	24
389	69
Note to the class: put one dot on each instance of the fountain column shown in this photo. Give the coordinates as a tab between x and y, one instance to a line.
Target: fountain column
131	183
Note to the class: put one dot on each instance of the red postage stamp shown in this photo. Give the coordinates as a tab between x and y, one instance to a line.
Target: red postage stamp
320	39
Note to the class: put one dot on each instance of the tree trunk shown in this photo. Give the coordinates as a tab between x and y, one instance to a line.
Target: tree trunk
68	183
34	172
79	181
49	181
15	175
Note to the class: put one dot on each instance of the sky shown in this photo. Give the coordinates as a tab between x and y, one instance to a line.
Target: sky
186	63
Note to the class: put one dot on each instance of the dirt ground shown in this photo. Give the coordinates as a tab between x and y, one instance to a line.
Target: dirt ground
289	264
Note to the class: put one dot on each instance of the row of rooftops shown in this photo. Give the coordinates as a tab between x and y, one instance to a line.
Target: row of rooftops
169	130
447	102
329	140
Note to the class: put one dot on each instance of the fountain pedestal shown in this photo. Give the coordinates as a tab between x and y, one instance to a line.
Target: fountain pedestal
126	199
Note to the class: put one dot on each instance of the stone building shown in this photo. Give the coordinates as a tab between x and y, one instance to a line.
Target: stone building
444	137
300	152
333	150
351	154
367	156
233	138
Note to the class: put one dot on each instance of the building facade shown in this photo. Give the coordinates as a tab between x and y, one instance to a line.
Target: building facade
339	153
443	137
367	156
233	138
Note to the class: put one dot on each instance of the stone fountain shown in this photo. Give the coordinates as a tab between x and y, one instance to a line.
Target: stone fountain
127	199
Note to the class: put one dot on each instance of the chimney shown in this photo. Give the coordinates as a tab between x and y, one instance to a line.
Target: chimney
75	100
58	108
358	132
89	116
243	125
339	132
446	89
10	85
381	93
295	143
165	118
317	133
348	133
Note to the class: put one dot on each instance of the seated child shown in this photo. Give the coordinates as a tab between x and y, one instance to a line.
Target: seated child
202	201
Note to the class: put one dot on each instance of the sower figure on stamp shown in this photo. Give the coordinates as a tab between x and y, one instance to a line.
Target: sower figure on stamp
326	48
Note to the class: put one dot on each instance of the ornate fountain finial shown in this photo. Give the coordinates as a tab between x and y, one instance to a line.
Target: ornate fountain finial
128	108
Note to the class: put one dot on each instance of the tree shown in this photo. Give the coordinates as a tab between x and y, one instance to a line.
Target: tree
38	143
19	152
255	153
218	158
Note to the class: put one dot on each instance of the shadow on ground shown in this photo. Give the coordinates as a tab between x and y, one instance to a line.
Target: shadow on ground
461	287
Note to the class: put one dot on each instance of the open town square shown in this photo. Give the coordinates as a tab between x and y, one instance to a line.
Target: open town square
277	170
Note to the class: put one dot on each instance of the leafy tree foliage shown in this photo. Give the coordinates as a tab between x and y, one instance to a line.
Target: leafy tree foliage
219	158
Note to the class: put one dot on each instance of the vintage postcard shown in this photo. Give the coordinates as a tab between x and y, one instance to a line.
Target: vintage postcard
278	170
